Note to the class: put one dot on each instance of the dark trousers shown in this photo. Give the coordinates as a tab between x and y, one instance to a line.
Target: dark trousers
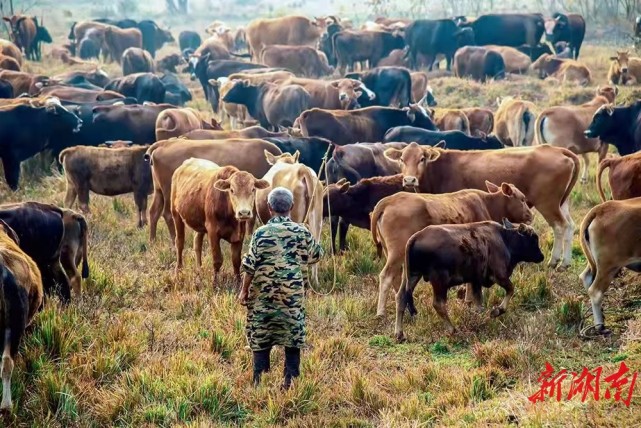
292	365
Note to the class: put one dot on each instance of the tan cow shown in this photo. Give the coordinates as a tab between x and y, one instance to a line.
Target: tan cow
287	30
565	70
396	218
137	60
7	48
514	121
174	122
341	94
451	119
213	200
611	240
118	40
167	155
515	61
624	69
20	300
9	63
546	176
307	189
564	126
108	172
303	61
225	36
624	176
74	249
481	120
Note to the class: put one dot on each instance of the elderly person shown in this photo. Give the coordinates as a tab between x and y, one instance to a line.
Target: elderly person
273	286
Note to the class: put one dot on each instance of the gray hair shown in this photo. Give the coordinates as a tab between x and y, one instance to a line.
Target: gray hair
280	200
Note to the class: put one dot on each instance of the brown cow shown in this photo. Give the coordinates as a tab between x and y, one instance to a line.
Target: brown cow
224	35
167	155
22	296
481	120
481	253
478	63
422	92
624	69
174	122
23	82
341	94
351	47
396	58
515	61
137	60
514	121
564	126
624	177
212	47
213	200
70	93
168	63
610	240
546	176
565	70
23	32
247	133
74	249
287	30
118	40
9	63
9	49
108	172
301	60
451	119
256	78
94	75
396	218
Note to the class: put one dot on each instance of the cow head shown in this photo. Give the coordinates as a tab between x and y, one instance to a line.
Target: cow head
608	92
419	117
349	90
603	123
522	242
622	60
162	37
322	22
542	65
238	92
465	37
241	187
197	65
637	26
62	119
509	201
286	158
414	161
557	28
491	140
42	34
335	197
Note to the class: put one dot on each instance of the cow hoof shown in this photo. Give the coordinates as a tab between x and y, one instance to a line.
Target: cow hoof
600	329
498	311
563	267
400	337
553	263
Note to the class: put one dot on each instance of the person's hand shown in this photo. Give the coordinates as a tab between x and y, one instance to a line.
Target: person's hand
242	297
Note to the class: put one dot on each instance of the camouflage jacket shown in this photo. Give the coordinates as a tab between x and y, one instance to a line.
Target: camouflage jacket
277	253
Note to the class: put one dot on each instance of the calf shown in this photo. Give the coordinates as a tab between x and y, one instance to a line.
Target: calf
481	120
565	70
479	63
624	177
453	140
624	69
451	119
514	122
9	63
515	61
619	126
141	86
168	63
20	300
117	40
564	126
174	122
391	85
74	249
480	253
213	200
610	240
108	172
546	175
396	218
353	204
137	60
271	104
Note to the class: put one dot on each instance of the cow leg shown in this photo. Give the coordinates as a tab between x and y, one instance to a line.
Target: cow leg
198	248
179	241
333	228
568	235
11	171
389	276
140	199
166	213
236	250
595	292
71	269
343	227
586	167
7	370
509	292
603	151
71	195
409	298
402	297
587	276
83	198
62	285
154	213
439	303
557	220
474	296
216	253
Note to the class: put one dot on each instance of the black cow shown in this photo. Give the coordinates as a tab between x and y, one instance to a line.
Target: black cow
326	43
176	91
535	52
42	36
26	131
81	82
6	89
391	85
619	126
566	28
189	40
153	37
432	37
135	123
205	70
311	149
145	87
88	48
40	229
510	29
455	140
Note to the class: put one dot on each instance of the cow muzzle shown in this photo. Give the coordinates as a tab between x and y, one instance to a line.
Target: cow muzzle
343	96
624	70
410	181
244	215
589	133
193	76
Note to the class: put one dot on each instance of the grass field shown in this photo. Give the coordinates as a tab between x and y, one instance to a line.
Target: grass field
141	348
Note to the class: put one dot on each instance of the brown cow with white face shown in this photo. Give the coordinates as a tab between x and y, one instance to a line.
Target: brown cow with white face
213	200
546	176
397	217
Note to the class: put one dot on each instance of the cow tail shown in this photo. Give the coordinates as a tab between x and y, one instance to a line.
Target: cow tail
72	32
408	296
149	152
605	163
408	91
575	174
585	241
538	129
84	232
63	154
526	122
375	216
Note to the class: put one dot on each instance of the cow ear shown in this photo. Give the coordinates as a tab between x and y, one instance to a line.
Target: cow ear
506	189
482	135
334	84
4	18
222	185
344	187
296	156
491	187
341	182
393	154
261	184
614	58
271	159
10	232
440	145
507	224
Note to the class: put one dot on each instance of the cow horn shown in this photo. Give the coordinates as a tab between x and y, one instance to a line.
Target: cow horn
507	224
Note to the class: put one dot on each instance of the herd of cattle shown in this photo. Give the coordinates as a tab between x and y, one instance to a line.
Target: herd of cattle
346	119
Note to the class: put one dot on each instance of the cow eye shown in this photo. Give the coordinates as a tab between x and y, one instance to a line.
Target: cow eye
423	159
231	191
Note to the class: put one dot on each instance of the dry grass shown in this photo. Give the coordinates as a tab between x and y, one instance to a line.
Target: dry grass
141	348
